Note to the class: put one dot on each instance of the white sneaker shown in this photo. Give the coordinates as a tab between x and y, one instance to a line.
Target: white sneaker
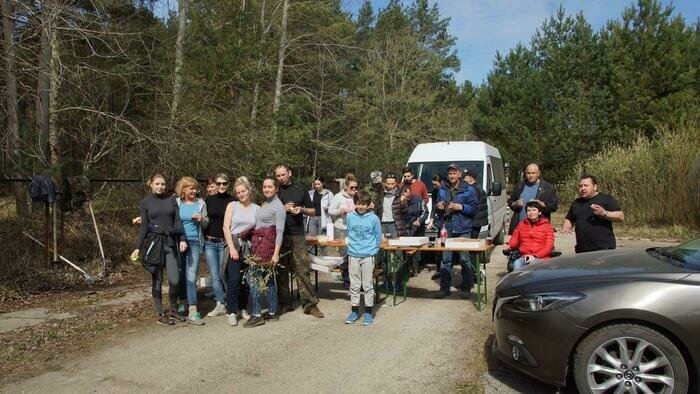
232	319
244	314
218	310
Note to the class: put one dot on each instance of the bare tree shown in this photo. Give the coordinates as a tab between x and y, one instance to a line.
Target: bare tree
11	105
264	30
280	57
179	53
43	84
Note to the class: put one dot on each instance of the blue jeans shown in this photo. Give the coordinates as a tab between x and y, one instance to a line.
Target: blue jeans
256	296
520	263
214	252
446	265
189	261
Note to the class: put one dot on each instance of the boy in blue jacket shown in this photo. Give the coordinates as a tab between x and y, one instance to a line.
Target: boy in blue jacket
364	237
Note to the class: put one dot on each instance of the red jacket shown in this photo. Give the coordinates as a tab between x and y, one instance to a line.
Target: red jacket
535	239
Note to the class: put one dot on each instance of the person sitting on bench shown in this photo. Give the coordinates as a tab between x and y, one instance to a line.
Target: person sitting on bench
533	237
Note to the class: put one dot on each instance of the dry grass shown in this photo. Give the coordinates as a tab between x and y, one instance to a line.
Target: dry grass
34	350
655	181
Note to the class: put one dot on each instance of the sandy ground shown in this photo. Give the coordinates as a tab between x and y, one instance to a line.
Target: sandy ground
422	345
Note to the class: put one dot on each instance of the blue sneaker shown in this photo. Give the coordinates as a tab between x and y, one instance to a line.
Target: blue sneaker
367	319
352	317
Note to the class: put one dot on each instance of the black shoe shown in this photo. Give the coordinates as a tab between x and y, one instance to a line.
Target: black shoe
435	276
165	320
441	294
254	321
465	294
268	316
176	316
284	308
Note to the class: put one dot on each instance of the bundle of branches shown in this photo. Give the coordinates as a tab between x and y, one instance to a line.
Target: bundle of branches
259	272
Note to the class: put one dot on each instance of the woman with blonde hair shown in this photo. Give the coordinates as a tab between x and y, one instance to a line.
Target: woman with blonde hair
193	214
160	237
239	218
342	204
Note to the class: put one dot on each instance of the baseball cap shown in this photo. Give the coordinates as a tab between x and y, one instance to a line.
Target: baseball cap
470	173
453	166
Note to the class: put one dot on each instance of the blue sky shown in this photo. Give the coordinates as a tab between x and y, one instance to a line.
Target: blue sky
483	27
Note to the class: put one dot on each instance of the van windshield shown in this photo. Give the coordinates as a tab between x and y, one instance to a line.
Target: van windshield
425	170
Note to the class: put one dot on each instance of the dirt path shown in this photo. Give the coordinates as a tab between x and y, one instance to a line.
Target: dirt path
422	345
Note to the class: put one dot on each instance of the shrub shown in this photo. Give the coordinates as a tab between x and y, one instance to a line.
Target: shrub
655	180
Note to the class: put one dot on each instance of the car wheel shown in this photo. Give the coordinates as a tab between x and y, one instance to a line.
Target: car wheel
629	358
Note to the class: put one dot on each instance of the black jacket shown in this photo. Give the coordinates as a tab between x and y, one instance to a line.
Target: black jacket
153	248
545	193
482	215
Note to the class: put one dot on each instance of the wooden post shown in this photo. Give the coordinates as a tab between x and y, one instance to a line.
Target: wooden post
47	232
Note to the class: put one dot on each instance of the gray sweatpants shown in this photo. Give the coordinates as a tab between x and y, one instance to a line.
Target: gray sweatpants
361	278
171	268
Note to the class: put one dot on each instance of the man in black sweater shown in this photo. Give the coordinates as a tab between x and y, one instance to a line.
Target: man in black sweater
297	203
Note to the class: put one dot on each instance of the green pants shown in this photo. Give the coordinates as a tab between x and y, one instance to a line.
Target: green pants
297	262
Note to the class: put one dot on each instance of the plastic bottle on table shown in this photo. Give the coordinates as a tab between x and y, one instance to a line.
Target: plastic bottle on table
443	235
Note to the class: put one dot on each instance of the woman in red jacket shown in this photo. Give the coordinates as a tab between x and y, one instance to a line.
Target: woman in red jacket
534	237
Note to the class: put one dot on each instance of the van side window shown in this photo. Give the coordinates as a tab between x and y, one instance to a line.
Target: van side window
489	179
499	174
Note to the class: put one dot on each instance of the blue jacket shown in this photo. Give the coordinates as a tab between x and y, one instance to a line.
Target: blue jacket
364	234
464	194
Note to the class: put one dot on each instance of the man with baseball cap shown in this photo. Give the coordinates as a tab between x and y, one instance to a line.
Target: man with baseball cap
457	204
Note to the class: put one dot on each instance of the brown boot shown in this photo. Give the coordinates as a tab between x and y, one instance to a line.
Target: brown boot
315	312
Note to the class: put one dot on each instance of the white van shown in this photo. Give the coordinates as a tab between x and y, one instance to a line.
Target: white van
482	158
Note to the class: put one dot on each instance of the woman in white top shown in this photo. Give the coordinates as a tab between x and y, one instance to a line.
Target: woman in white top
239	217
342	204
321	198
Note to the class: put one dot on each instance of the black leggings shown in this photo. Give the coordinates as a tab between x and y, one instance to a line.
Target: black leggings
171	267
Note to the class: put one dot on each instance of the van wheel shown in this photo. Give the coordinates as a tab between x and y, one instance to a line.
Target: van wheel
629	358
501	236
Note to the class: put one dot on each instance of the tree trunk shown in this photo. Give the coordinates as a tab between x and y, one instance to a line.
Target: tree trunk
258	69
319	118
179	53
54	83
11	108
256	93
43	87
280	57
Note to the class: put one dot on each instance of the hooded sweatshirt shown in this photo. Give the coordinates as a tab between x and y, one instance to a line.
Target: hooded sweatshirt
364	234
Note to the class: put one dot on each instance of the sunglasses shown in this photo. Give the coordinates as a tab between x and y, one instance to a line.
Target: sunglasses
352	187
222	183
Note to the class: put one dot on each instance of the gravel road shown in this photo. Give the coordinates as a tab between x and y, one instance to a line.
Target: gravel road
422	345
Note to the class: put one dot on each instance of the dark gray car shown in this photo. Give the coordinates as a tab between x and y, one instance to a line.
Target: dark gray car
616	321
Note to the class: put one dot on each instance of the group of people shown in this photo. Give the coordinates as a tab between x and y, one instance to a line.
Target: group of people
233	231
241	238
533	201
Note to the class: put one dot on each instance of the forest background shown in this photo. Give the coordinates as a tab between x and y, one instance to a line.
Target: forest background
110	89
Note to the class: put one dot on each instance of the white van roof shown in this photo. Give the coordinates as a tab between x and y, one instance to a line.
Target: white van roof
452	151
